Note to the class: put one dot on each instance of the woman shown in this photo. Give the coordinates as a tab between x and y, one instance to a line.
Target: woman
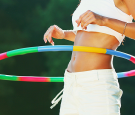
90	83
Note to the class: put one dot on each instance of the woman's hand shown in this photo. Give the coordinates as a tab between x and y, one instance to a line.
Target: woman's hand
90	17
55	32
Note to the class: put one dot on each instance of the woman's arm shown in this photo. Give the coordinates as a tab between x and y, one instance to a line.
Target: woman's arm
56	32
119	25
91	18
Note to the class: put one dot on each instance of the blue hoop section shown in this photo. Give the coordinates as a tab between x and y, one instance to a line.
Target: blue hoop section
118	54
55	48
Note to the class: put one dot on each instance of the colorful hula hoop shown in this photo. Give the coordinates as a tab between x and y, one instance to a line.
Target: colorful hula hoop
61	48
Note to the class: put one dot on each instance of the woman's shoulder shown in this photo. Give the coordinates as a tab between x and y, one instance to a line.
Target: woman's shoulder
130	5
120	4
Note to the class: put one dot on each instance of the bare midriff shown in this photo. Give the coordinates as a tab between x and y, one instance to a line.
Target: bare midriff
85	61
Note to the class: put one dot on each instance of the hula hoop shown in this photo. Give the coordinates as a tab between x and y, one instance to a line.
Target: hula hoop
23	51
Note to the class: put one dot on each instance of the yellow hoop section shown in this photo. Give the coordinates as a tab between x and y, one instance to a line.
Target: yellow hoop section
89	49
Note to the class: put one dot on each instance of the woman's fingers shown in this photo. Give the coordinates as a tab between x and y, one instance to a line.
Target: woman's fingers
45	40
55	32
89	18
83	16
89	21
48	35
80	18
85	20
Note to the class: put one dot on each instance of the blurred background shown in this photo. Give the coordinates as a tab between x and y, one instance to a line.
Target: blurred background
23	24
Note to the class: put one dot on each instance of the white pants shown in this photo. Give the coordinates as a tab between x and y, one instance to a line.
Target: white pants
94	92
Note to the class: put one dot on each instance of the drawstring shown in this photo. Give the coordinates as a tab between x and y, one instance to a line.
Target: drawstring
54	101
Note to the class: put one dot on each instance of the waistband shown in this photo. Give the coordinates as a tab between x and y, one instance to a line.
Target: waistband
91	75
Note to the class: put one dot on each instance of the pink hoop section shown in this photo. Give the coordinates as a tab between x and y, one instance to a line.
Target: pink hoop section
3	56
33	79
132	59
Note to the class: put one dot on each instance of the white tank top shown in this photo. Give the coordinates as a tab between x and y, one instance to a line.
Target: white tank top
105	8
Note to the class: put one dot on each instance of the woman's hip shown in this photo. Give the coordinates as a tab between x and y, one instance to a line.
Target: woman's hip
94	81
94	92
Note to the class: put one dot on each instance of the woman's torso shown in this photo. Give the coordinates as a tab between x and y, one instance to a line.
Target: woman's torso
85	61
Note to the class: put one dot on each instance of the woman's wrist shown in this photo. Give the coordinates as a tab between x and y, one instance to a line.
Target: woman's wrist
63	34
105	21
68	35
